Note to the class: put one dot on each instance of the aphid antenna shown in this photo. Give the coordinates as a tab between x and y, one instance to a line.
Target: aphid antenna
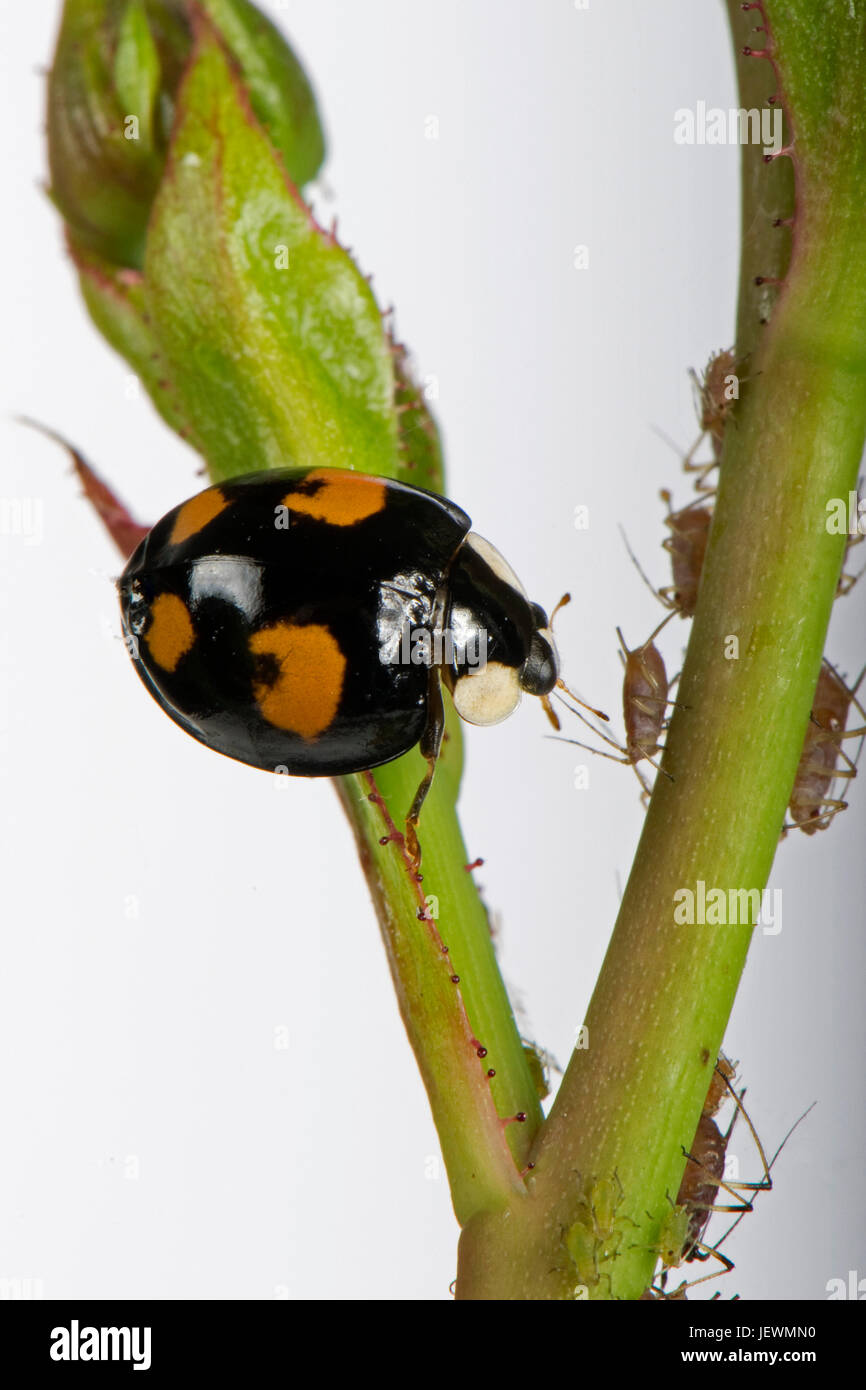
672	443
655	593
649	640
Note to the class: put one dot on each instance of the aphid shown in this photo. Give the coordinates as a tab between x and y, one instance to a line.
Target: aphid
680	1238
705	1164
645	690
596	1233
811	807
687	546
304	620
716	390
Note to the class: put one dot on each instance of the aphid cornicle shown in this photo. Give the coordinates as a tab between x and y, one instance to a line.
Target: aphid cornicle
302	620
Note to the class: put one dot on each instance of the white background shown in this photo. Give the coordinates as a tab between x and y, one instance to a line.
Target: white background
167	910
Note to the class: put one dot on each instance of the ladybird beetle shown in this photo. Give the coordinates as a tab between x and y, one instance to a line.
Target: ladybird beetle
303	620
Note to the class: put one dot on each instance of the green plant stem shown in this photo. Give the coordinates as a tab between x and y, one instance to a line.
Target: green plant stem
262	344
629	1104
453	1005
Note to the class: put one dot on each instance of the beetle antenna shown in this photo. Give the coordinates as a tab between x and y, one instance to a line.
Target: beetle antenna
566	598
561	685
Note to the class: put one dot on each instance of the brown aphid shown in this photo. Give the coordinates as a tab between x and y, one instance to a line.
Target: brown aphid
811	806
703	1175
716	396
717	390
644	696
705	1166
687	546
645	689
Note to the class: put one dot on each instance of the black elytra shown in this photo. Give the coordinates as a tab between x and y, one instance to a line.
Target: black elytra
302	621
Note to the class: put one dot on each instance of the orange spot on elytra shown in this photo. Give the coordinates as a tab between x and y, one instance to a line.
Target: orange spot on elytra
170	633
305	692
340	498
195	514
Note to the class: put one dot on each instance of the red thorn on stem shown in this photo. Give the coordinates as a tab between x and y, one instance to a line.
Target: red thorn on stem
476	864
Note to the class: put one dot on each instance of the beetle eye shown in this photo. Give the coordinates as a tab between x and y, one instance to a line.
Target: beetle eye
541	669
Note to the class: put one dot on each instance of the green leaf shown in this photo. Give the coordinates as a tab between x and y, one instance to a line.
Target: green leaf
116	301
279	91
271	336
111	108
102	182
137	70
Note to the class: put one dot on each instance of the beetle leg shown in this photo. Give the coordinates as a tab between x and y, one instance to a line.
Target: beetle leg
429	746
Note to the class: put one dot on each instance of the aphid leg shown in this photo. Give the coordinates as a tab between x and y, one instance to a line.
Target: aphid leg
429	747
734	1224
658	767
821	819
711	1252
599	752
847	581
